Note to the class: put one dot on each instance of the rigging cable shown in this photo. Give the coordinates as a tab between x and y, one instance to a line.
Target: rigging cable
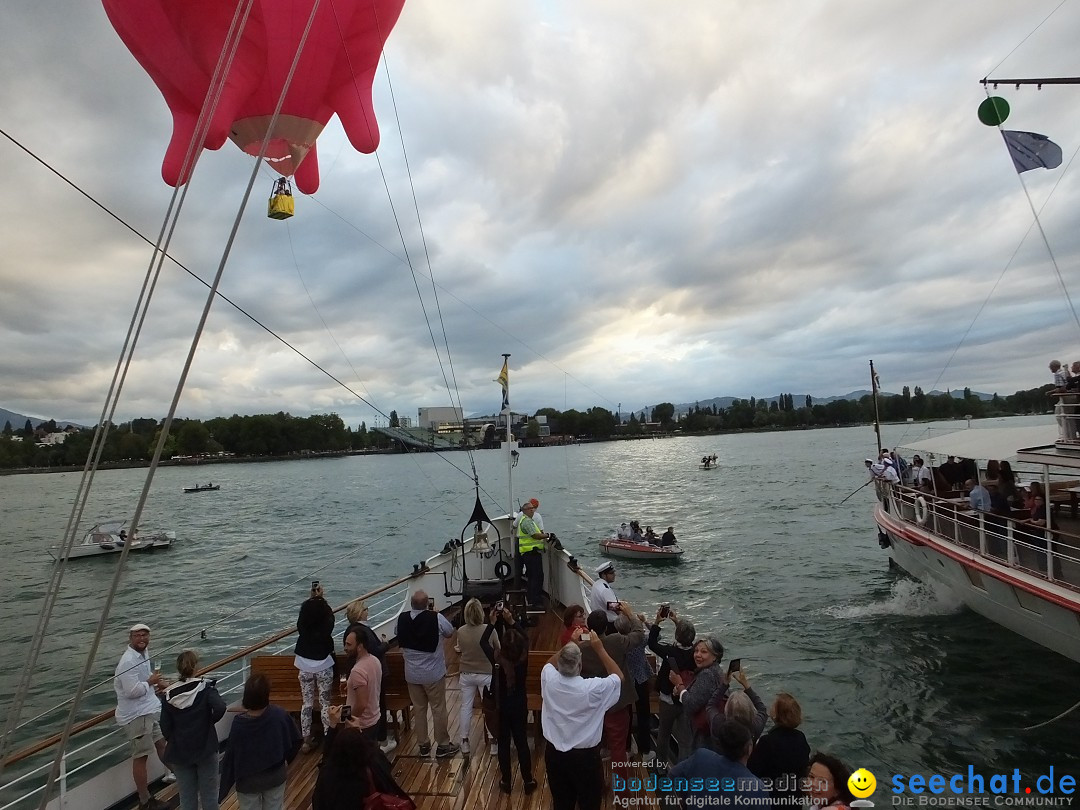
114	587
401	233
102	429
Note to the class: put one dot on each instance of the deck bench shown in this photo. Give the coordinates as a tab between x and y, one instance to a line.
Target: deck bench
285	684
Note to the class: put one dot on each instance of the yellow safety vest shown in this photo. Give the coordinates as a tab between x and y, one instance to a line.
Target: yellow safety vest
526	541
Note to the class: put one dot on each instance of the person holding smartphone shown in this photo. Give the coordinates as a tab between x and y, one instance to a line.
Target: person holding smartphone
314	658
676	657
420	634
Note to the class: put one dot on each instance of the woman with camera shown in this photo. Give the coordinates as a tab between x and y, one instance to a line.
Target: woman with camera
510	658
189	710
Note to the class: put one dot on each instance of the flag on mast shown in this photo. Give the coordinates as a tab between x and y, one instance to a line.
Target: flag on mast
504	380
1030	150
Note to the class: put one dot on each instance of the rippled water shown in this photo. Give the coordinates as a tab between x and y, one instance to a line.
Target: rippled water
891	675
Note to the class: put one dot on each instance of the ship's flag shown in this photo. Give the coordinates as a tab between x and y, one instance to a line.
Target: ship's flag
504	380
1030	150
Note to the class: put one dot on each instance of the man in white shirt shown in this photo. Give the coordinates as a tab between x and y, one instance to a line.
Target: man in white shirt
923	477
602	596
138	709
573	720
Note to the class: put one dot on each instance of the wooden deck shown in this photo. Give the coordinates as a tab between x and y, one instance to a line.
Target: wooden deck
457	783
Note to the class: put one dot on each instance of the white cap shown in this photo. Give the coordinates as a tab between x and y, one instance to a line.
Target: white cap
605	566
135	628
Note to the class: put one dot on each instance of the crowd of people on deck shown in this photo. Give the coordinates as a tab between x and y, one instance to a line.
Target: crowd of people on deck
596	688
994	494
631	533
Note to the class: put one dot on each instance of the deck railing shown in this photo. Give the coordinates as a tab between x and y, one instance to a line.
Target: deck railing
1050	554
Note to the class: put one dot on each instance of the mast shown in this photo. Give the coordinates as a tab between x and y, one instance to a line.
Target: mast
504	378
877	418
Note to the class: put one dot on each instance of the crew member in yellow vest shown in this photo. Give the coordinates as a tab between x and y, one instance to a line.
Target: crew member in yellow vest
530	548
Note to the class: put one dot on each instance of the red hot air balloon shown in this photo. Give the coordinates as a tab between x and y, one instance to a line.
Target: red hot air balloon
180	43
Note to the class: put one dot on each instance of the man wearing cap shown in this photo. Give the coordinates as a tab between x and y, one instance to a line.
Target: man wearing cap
138	708
602	597
531	539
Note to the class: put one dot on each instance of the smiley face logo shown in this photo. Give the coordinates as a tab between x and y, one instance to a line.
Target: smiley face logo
861	783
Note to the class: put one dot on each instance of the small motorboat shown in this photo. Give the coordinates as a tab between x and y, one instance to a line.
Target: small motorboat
203	488
109	536
646	552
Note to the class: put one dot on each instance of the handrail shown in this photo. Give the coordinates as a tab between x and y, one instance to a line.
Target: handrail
48	742
1010	526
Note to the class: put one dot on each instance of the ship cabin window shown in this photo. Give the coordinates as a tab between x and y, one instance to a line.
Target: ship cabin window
975	577
1027	600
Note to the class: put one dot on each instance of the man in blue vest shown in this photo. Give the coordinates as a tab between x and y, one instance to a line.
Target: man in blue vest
531	539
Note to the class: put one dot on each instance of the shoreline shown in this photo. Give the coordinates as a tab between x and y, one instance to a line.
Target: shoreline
524	443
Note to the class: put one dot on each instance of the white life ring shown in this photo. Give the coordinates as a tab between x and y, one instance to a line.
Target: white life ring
921	510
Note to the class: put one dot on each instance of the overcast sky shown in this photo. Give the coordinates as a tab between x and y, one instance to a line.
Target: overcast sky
640	201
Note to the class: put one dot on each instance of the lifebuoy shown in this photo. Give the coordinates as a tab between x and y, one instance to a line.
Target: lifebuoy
502	570
921	510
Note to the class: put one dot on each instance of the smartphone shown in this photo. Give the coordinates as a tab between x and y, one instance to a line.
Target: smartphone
585	637
346	713
665	610
499	606
431	603
314	584
734	665
672	664
613	607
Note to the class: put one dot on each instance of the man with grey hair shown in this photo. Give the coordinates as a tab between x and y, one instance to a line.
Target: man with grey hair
572	722
420	634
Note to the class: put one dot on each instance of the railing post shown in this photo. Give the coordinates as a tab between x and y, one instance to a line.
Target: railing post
982	533
1010	547
1049	535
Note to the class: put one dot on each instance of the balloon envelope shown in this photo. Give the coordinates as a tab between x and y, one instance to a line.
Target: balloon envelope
180	44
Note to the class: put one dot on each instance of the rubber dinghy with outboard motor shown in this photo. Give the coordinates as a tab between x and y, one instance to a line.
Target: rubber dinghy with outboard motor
629	550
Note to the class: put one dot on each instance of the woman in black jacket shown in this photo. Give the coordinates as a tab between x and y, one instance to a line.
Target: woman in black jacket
315	660
189	710
352	769
511	663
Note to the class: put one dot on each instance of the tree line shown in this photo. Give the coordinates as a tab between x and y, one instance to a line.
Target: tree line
281	434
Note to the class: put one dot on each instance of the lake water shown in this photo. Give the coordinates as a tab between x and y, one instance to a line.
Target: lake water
891	676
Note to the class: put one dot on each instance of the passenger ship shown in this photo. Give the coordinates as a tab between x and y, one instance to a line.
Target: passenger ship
1015	573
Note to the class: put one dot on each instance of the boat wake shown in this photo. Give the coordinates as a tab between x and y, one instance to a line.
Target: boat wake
906	597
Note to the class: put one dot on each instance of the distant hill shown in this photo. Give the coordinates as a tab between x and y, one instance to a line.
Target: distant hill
18	420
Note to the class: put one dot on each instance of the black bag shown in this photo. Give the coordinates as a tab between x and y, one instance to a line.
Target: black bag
490	708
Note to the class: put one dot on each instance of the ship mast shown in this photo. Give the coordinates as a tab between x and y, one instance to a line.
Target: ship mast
877	418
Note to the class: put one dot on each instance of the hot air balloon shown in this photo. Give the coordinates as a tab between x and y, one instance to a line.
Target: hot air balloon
180	43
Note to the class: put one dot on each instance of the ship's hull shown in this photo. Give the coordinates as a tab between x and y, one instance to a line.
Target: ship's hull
1038	610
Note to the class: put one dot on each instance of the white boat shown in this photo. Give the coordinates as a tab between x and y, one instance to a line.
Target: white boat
109	536
1007	569
646	552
